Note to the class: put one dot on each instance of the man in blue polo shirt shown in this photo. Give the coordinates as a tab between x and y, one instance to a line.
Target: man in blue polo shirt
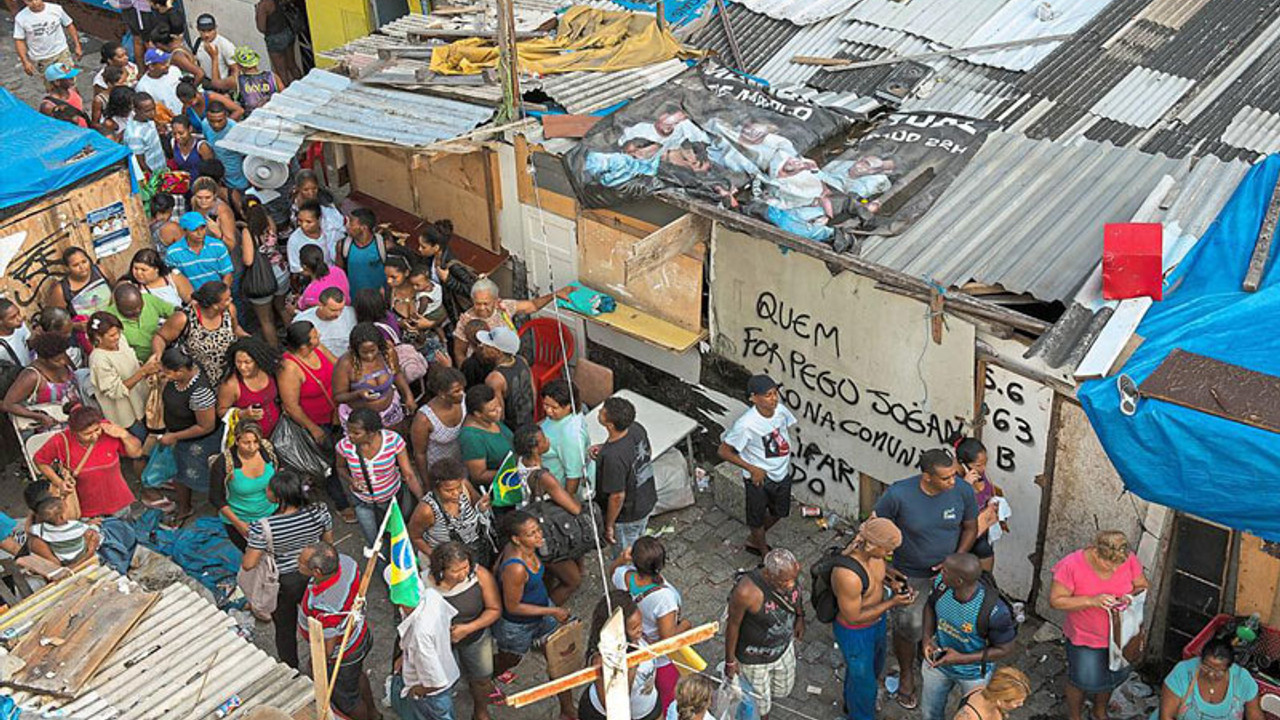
199	258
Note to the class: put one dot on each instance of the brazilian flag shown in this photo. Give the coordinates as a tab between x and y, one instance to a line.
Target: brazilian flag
507	490
404	561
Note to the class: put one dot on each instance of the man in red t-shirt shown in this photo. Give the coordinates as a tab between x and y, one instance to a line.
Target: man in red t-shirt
91	448
330	597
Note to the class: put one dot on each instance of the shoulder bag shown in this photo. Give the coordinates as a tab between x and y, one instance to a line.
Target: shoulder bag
261	583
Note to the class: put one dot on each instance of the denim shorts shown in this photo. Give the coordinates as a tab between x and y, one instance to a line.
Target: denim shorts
476	657
517	637
1089	669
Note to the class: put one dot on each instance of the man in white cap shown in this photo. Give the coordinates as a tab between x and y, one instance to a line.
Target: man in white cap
511	378
40	34
758	443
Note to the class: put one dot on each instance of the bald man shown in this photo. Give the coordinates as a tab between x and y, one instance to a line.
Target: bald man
141	314
967	628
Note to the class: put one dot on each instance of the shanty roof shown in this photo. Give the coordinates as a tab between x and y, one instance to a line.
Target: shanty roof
325	102
150	672
799	12
1026	215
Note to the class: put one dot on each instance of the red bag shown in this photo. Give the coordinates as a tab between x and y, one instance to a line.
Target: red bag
1132	261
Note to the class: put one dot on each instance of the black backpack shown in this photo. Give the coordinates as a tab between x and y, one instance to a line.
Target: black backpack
821	594
992	594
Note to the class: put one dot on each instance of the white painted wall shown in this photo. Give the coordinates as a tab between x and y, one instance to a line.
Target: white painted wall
1016	434
857	365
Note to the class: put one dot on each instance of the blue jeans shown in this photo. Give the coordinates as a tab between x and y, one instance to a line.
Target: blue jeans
936	687
431	707
628	532
864	651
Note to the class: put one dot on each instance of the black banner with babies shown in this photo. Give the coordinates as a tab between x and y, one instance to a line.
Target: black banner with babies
719	137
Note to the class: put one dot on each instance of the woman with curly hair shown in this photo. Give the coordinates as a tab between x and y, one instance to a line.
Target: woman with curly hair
250	383
369	376
47	380
239	479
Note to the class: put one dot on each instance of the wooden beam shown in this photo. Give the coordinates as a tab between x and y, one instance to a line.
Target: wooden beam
1262	246
666	243
463	34
893	280
635	657
315	632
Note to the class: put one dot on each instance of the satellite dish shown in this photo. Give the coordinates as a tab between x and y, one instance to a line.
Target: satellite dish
264	173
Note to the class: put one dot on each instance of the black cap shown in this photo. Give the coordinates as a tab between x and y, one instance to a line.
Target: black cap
760	384
206	22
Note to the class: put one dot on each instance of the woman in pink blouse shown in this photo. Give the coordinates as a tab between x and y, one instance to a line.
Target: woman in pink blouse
320	277
1087	585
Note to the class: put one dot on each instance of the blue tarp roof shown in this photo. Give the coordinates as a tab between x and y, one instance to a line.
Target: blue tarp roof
42	154
1214	468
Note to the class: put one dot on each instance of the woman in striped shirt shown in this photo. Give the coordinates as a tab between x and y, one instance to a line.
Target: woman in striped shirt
297	523
376	466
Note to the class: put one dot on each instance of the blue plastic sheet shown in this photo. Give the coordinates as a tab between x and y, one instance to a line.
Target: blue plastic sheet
201	549
42	155
1215	468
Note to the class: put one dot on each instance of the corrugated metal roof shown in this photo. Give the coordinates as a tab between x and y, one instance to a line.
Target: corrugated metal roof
273	131
1026	215
1254	129
1142	97
1171	13
586	92
821	39
895	41
1024	20
759	37
186	632
800	12
961	88
945	21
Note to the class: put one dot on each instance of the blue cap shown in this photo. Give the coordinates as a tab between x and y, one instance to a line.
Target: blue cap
59	71
155	56
191	221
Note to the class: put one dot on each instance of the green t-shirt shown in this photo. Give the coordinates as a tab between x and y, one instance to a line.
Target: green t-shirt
138	332
492	447
567	457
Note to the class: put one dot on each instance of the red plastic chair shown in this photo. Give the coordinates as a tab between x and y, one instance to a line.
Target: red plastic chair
548	359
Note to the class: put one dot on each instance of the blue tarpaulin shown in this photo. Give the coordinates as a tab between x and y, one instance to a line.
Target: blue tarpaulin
201	549
1212	467
42	155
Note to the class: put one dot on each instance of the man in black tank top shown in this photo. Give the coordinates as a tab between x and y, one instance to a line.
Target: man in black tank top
766	617
511	378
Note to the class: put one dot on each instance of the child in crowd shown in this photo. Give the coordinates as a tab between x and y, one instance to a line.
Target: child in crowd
58	536
429	308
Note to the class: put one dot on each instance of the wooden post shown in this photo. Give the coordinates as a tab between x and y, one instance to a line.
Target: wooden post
613	648
508	63
319	677
1262	246
635	657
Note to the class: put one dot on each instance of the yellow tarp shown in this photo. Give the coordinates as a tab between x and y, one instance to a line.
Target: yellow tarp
586	39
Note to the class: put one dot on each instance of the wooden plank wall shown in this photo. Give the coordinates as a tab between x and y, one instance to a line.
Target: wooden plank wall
671	291
1258	582
461	187
60	221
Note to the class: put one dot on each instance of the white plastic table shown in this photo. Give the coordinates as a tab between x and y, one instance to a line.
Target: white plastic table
665	426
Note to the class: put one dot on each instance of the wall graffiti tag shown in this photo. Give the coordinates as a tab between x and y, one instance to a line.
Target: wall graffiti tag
34	267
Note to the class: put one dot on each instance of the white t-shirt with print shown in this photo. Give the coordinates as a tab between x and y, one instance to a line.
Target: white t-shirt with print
43	31
658	603
763	441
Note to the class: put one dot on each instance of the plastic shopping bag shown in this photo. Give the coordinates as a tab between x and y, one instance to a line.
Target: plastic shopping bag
161	467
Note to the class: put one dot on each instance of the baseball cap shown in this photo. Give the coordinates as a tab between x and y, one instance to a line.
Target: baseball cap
154	56
206	22
60	71
246	56
191	221
501	337
760	384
